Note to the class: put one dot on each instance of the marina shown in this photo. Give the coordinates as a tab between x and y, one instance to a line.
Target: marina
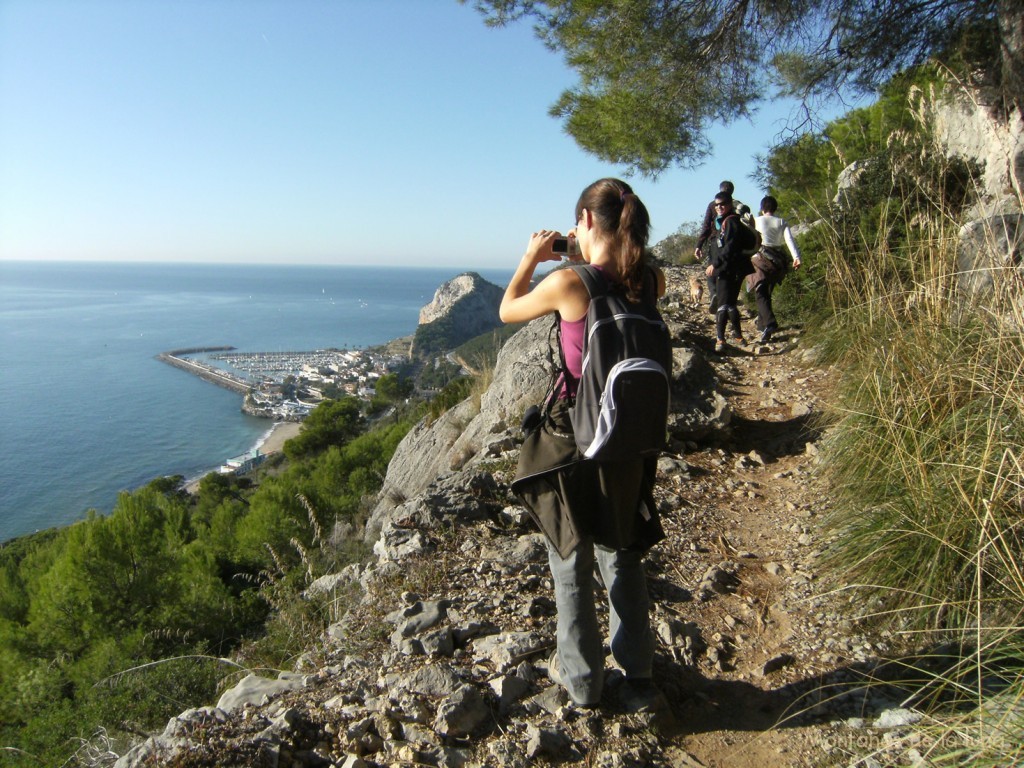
126	416
206	371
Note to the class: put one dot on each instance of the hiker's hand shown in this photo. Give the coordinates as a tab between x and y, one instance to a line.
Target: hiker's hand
698	254
796	263
539	248
710	271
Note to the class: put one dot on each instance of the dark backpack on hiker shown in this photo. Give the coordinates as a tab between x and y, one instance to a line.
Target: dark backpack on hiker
748	239
622	398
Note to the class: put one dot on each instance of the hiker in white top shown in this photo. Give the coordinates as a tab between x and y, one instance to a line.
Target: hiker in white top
771	263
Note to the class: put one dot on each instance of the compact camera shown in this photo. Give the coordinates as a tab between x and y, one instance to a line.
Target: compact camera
566	245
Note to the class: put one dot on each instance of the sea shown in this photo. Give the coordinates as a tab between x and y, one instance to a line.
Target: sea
88	411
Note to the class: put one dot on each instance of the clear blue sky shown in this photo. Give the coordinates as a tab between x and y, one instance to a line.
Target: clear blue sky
400	132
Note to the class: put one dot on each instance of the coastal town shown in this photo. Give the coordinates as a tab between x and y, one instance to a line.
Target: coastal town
286	386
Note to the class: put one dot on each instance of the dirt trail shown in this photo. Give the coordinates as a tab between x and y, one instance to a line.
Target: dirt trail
746	521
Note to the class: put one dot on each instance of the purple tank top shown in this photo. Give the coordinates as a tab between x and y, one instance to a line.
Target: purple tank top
572	348
572	351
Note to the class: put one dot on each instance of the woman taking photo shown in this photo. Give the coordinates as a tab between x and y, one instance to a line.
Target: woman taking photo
589	509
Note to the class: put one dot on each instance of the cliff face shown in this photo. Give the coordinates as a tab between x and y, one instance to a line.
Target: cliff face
966	128
468	431
992	235
992	230
462	308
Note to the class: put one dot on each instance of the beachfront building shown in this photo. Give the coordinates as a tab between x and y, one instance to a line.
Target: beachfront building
243	463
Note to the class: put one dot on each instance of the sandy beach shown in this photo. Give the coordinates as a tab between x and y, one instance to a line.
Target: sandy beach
283	431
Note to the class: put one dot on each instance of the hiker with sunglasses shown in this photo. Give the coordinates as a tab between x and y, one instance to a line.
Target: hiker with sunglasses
727	265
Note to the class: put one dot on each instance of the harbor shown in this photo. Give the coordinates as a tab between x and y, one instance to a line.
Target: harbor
206	371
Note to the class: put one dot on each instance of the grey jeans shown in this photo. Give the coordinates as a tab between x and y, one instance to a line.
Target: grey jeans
580	652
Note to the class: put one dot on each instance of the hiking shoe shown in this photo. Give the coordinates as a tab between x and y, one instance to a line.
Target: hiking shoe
555	675
766	334
738	341
720	345
555	669
642	695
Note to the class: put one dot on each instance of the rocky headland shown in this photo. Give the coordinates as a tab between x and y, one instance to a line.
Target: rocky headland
462	309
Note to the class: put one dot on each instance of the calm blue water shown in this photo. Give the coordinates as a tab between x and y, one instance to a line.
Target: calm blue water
86	409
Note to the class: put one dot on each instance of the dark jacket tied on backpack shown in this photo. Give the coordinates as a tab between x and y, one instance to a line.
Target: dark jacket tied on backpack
570	496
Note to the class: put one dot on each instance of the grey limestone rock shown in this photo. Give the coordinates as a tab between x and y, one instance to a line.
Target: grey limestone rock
549	741
507	649
897	718
431	680
509	689
520	378
461	713
257	690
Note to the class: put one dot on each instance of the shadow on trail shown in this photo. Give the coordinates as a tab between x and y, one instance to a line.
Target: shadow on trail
777	438
942	678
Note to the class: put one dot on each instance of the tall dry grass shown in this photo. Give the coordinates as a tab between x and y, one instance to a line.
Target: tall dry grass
925	460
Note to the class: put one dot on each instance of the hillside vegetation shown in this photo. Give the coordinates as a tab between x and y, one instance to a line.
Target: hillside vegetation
924	456
112	625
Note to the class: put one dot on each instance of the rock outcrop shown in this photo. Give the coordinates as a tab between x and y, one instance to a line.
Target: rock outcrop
965	128
462	309
992	235
470	430
992	229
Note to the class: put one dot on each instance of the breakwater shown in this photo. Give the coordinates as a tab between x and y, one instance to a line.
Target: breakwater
205	371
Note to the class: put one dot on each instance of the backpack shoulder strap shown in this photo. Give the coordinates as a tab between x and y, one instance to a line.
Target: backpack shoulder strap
593	279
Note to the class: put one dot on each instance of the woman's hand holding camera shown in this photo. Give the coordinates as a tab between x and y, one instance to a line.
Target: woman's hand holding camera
540	247
550	245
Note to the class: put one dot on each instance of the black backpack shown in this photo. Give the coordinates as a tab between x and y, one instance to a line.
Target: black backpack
748	239
622	400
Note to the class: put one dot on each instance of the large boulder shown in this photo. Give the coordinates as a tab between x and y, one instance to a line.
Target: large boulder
987	247
433	448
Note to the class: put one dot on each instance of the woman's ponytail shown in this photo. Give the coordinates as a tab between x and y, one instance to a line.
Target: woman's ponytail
623	216
634	229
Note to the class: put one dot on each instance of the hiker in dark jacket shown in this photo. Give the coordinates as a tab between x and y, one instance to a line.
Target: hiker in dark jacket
591	510
727	265
707	229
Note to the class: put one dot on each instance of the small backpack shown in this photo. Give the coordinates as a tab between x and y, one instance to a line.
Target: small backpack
748	239
622	398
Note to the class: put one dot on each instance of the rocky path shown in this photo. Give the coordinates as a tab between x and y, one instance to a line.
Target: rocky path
442	661
744	524
787	678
